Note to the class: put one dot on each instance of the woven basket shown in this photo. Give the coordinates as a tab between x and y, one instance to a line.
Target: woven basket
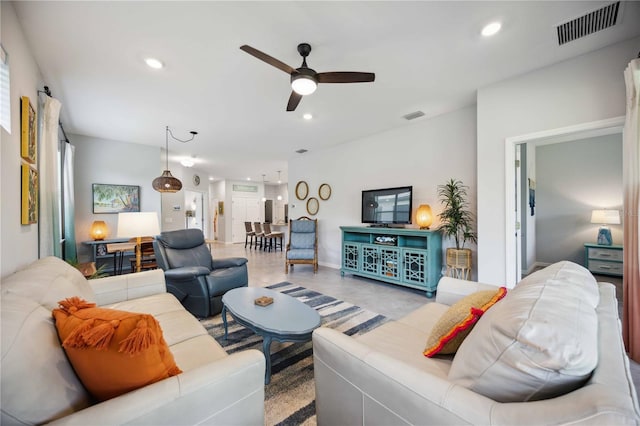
459	258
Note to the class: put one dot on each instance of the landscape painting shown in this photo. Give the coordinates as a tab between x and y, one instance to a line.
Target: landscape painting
109	198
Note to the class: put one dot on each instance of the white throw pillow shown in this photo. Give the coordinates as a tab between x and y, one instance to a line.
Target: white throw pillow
539	342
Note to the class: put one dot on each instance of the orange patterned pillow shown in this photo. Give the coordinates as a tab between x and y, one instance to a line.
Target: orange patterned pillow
451	329
113	352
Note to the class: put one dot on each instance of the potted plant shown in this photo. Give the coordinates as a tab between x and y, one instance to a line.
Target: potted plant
456	222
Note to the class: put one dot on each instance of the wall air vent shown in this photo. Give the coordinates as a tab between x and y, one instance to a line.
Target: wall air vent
301	151
590	23
413	115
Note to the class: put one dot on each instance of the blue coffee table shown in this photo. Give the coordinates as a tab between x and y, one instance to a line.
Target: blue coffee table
285	320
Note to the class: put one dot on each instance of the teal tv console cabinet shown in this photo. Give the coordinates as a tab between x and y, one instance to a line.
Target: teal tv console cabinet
407	257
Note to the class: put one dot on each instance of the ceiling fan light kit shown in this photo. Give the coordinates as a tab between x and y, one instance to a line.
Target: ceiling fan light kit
304	80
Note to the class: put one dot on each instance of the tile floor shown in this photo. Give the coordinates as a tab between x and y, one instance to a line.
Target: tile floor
393	301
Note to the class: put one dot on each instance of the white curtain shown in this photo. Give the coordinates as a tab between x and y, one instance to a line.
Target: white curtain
48	166
631	185
68	204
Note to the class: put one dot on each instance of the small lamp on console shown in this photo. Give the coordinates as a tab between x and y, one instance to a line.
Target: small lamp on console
98	230
424	217
604	218
138	225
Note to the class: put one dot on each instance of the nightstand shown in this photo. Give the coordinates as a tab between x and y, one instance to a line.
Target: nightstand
603	260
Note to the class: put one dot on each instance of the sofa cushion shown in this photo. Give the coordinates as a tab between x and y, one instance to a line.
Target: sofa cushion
38	383
541	341
452	328
47	281
113	352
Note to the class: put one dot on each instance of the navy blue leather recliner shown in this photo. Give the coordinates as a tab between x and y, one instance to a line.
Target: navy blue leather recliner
196	279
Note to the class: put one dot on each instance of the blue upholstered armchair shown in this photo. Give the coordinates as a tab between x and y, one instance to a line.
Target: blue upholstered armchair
303	243
196	279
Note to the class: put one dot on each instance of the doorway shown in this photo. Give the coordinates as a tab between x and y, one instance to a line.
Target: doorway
515	248
194	210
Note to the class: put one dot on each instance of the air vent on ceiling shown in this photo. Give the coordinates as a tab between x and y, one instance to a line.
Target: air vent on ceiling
413	115
301	151
590	23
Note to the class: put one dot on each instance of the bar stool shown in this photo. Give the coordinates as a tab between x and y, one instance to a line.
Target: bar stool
249	234
259	234
275	238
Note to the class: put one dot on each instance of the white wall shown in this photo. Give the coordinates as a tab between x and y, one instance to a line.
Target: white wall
584	89
106	161
173	204
575	178
424	154
19	245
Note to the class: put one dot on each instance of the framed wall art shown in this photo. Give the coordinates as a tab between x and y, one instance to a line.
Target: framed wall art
29	208
109	198
28	130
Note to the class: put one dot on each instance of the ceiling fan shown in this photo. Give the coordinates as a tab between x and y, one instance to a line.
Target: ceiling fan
304	80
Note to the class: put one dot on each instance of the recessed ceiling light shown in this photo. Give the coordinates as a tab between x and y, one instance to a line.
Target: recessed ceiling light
154	63
187	162
491	29
248	178
210	177
307	116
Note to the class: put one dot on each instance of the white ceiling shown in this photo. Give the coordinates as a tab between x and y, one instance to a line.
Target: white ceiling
427	56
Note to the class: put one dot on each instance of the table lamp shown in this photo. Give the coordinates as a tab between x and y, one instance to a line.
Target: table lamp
98	230
424	217
604	218
138	225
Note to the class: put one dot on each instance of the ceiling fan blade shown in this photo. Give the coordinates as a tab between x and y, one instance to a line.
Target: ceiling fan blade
294	100
345	77
268	59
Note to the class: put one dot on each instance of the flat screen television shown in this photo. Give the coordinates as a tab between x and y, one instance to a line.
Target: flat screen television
387	206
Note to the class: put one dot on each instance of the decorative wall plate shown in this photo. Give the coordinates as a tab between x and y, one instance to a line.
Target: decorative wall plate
324	192
313	205
302	190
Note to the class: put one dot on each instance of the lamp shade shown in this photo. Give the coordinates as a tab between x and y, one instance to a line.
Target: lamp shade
606	217
98	230
424	217
140	224
166	183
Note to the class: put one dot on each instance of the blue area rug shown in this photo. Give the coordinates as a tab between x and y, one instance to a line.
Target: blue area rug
290	397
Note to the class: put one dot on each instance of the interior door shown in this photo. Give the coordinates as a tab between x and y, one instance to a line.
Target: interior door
243	210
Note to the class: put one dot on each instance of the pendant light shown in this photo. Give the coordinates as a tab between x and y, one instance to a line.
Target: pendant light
166	182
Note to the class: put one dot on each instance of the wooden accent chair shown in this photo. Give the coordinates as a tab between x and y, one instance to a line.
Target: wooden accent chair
303	243
147	255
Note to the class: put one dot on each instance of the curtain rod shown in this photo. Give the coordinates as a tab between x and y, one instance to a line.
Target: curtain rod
47	92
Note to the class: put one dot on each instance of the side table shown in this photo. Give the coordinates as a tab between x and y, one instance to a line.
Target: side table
604	260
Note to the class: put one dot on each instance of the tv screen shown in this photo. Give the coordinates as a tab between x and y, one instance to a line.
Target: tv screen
387	206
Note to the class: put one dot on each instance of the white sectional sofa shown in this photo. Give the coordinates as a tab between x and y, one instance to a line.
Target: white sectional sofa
38	384
550	352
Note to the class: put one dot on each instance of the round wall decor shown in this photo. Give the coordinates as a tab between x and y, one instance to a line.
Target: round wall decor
302	190
324	192
196	180
313	205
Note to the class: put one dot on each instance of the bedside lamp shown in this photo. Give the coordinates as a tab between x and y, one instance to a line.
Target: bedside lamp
604	218
138	225
424	217
98	230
